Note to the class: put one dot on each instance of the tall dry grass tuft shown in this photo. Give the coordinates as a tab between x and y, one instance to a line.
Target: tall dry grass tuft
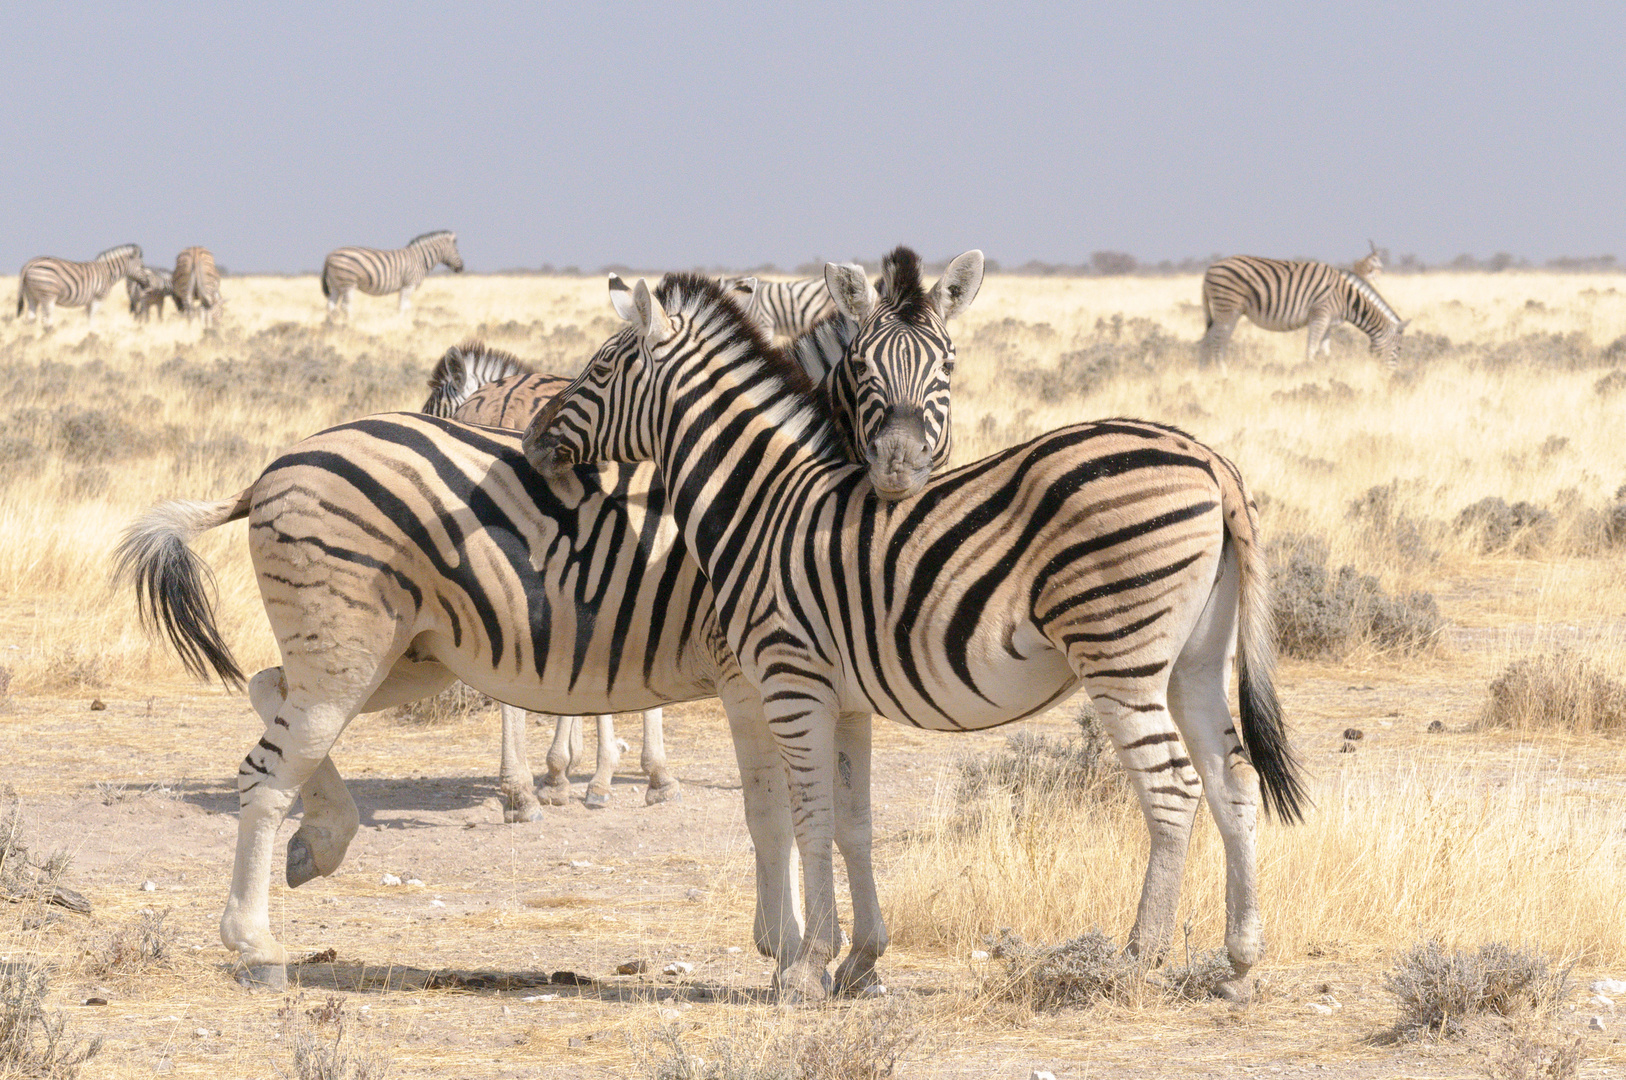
1391	853
1565	690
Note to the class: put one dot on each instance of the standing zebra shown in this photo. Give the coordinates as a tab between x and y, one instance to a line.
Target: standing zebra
790	309
197	284
148	288
474	384
45	282
399	552
1281	295
1118	556
377	272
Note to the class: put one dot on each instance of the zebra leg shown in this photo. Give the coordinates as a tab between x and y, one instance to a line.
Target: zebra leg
854	832
47	312
556	786
805	729
90	312
663	786
518	786
406	298
1216	340
609	756
1197	698
1320	323
777	926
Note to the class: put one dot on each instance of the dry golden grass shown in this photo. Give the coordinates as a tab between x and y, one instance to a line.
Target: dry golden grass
1464	837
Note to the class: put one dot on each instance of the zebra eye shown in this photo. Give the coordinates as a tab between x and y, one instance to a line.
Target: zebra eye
948	367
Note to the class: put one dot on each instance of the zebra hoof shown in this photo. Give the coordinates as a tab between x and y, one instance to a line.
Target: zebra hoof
264	977
598	800
1238	991
671	791
556	796
301	863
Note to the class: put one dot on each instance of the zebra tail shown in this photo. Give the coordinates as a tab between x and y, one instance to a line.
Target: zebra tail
324	284
173	585
1263	732
19	299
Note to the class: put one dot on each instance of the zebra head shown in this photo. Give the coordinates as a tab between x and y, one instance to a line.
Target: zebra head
441	247
611	411
124	259
893	383
1386	342
745	292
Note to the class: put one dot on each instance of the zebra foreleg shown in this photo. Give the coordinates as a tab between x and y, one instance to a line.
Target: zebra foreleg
805	730
663	785
565	752
406	298
854	833
1317	339
515	780
609	756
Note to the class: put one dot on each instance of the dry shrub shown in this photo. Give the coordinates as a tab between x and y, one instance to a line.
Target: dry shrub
1116	346
1438	990
453	705
324	1046
1074	974
135	946
1322	614
20	874
1390	529
33	1040
1494	526
863	1042
1032	768
1566	690
1537	1056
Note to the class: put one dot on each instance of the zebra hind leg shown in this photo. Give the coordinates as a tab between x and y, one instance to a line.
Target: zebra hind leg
515	781
556	785
663	785
1216	340
609	756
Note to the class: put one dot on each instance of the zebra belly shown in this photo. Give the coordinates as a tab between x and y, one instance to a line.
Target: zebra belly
1272	322
1004	687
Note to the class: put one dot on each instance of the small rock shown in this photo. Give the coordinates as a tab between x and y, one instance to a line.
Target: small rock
1602	1002
389	879
581	864
678	967
978	954
632	967
694	894
201	1033
437	902
95	1001
623	746
733	950
1354	734
1041	1074
569	978
98	705
1596	1023
1317	1007
670	1014
414	881
574	1043
1608	986
148	886
1348	747
876	990
1436	726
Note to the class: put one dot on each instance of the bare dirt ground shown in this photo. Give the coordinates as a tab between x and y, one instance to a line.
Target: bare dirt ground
457	976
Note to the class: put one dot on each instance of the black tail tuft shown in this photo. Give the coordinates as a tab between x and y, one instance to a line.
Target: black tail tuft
172	593
324	286
1266	740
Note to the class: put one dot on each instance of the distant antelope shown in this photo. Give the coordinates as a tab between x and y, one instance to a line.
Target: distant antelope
197	284
1368	265
148	288
1280	295
45	282
377	272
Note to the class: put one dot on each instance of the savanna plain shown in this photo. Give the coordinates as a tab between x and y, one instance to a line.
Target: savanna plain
1449	550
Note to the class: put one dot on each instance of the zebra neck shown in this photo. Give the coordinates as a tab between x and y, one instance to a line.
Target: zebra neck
1364	308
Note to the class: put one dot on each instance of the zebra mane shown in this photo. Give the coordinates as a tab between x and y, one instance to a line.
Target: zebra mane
1364	287
706	300
433	235
901	289
821	347
121	251
466	368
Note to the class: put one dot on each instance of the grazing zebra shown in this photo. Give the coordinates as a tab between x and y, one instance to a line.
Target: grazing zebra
475	384
1281	295
45	282
197	284
147	289
1368	265
377	272
1119	556
399	552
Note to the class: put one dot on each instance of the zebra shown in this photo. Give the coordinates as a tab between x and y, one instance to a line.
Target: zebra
1281	295
475	384
148	288
1121	556
197	284
377	272
1368	265
399	552
789	309
45	282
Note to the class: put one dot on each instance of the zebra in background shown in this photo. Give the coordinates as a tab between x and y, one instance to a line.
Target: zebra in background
1367	266
197	284
1280	295
789	309
572	596
148	288
475	384
377	272
1119	556
45	282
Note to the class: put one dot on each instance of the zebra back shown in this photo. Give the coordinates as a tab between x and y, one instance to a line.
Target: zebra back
197	280
465	369
790	309
76	284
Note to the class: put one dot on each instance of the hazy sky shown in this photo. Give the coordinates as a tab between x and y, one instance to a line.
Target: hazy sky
671	135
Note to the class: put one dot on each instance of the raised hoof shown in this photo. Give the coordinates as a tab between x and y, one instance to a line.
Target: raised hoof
264	977
597	800
671	791
301	863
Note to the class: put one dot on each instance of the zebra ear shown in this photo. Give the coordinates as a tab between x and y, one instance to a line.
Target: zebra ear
1401	329
850	290
621	298
958	286
653	325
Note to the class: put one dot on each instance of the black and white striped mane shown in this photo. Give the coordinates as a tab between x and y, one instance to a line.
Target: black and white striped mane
121	251
901	288
1368	293
729	331
466	368
428	236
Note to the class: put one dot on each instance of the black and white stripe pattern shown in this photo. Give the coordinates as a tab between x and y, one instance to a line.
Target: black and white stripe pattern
465	369
46	282
1277	294
197	285
1119	556
789	309
376	272
400	552
148	288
